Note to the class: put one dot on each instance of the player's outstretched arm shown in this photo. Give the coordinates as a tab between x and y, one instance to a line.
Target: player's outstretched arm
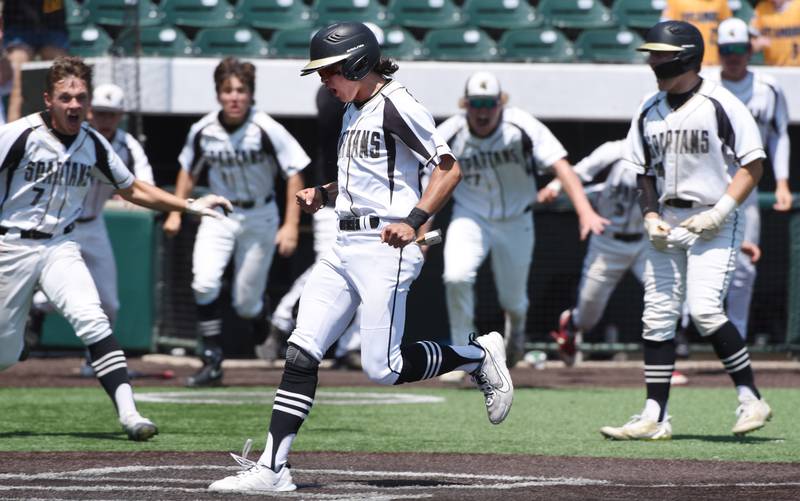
588	219
183	187
153	197
443	182
287	236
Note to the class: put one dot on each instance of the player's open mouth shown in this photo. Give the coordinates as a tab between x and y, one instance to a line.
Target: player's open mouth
73	119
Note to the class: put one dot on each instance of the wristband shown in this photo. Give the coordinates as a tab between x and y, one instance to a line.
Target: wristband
416	218
726	205
324	194
189	201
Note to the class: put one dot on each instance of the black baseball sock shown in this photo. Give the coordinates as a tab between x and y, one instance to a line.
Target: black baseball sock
108	362
291	406
209	326
426	359
733	354
659	363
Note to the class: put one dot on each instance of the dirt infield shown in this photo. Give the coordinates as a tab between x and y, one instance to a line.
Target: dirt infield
336	476
359	476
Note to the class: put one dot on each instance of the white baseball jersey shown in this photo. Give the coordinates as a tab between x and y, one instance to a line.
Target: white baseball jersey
376	174
498	170
43	184
766	102
693	150
242	163
616	198
132	155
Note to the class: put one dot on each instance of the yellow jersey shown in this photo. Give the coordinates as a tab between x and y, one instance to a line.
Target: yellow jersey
705	15
783	30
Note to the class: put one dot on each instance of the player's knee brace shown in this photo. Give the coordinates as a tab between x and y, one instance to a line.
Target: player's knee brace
300	364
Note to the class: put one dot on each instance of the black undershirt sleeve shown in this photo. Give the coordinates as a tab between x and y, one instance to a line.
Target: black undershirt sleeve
648	195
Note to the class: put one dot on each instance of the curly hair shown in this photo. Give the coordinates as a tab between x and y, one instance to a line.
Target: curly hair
232	67
67	66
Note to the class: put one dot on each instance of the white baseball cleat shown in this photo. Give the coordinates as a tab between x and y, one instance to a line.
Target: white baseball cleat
753	413
254	477
137	427
640	428
492	376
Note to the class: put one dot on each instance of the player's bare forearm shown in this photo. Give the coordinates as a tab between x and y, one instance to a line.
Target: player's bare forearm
443	182
293	185
572	186
152	197
184	184
783	195
745	179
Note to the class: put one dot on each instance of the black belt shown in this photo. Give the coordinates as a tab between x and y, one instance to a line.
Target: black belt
355	223
36	234
680	203
628	237
85	219
249	204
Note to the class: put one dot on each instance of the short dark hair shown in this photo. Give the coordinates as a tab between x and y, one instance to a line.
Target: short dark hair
68	66
232	67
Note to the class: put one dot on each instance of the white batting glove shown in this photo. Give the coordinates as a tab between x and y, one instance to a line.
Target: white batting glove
204	206
707	223
657	231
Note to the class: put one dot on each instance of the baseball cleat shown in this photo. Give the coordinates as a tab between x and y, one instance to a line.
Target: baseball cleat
753	414
209	375
138	428
565	339
678	379
492	376
639	428
254	477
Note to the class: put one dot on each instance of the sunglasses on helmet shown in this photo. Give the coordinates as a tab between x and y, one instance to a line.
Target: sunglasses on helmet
734	48
482	102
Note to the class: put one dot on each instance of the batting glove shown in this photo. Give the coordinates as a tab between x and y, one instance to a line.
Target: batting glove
204	206
657	231
707	223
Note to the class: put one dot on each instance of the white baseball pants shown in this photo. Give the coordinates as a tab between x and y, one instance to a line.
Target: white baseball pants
58	269
692	269
469	239
606	262
744	277
359	270
249	236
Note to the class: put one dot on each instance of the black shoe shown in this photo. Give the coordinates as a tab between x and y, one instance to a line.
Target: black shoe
211	372
274	347
681	345
350	361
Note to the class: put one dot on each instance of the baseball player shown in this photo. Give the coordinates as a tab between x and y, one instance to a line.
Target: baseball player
620	248
387	141
776	23
764	98
242	149
499	147
48	162
329	110
697	153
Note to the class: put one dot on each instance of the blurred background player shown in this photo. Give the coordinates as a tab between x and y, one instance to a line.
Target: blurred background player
33	28
329	111
43	196
242	149
90	233
697	153
705	15
618	249
777	24
765	99
6	75
499	148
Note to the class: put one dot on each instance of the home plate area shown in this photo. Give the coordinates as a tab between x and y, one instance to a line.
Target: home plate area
385	476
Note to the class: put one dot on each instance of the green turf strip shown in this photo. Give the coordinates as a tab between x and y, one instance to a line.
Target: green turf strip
542	422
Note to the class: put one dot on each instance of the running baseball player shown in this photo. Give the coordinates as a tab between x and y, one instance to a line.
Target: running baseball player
499	147
48	162
697	154
764	98
242	149
387	140
620	248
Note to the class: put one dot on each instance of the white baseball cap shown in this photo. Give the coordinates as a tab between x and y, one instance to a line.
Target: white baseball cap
108	97
733	31
482	84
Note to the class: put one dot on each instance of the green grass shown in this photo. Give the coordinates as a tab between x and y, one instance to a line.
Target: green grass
542	422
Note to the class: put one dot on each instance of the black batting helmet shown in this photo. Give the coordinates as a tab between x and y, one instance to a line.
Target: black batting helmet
352	44
675	36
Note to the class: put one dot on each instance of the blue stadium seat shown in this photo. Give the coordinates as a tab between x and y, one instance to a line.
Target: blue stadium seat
399	44
88	40
76	13
291	44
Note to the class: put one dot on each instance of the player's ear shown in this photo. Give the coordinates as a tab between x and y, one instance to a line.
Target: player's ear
462	103
503	98
48	101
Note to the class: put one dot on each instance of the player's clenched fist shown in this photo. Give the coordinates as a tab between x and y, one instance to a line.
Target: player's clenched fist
657	230
310	199
398	235
707	223
205	205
